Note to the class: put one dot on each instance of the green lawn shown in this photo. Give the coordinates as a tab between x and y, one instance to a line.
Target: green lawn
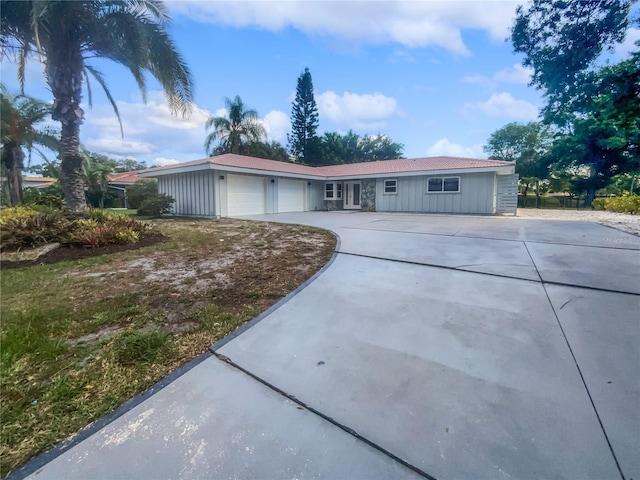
80	337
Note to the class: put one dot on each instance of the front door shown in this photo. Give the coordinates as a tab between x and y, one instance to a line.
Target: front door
352	195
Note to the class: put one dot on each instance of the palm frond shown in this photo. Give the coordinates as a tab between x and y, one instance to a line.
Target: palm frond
100	79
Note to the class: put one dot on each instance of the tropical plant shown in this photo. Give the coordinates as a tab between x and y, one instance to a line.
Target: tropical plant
234	131
66	34
96	178
303	140
20	116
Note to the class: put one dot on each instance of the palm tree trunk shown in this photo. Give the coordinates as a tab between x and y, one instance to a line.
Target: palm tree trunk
64	74
15	177
13	160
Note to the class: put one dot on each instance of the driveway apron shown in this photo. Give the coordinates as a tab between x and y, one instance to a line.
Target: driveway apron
433	346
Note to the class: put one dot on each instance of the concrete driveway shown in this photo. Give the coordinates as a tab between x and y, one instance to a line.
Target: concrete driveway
432	347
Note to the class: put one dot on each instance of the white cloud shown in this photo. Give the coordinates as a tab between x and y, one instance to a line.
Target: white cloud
277	125
503	105
119	146
515	74
360	112
444	147
148	128
407	23
163	162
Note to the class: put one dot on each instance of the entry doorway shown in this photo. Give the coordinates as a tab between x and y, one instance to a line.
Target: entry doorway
352	192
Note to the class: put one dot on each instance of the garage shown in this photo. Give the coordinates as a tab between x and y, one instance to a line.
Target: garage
290	195
245	195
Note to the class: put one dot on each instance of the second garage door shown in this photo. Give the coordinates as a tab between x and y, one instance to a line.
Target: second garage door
245	195
290	195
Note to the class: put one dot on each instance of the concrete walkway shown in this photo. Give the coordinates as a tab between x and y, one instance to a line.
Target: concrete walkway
432	347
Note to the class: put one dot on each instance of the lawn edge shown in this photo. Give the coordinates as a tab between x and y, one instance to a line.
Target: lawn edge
40	460
47	456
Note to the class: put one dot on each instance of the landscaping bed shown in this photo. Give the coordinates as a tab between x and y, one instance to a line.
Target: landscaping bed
82	335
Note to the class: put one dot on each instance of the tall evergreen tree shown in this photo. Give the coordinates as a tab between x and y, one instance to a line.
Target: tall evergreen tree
303	140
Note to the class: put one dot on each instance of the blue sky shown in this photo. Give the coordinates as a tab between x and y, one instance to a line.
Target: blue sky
438	77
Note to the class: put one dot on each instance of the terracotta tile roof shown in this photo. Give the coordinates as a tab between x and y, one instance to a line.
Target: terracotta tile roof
40	179
384	167
126	177
242	161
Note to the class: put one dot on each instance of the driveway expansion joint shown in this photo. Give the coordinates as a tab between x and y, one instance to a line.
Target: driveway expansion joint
575	361
331	420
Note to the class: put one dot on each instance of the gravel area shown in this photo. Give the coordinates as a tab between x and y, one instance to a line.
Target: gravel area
622	221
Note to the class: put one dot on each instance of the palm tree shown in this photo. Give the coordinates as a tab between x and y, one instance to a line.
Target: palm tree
234	131
20	115
96	177
67	34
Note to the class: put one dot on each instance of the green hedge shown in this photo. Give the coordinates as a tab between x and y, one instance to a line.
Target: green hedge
625	204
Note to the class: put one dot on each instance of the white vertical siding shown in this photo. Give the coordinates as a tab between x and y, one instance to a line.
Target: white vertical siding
477	192
315	195
193	192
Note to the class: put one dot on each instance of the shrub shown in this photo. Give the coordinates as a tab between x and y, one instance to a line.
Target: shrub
50	196
156	205
30	230
119	230
139	191
21	211
598	203
625	204
101	216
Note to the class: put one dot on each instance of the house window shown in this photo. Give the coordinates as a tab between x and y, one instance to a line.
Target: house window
443	184
332	191
390	187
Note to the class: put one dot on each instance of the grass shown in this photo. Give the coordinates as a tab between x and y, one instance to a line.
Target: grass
78	338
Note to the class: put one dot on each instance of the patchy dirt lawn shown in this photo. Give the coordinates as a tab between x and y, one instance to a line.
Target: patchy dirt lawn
79	337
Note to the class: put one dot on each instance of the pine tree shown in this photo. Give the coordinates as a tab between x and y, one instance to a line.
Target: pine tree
303	140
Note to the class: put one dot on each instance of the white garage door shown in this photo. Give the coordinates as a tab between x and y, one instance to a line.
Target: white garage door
245	195
290	195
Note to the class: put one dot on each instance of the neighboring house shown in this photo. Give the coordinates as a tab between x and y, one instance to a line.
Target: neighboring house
38	182
120	181
234	185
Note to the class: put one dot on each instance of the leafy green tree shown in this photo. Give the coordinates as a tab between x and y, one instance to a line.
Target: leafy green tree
562	41
351	148
594	107
606	128
20	116
130	165
528	145
270	150
379	147
303	140
235	130
66	34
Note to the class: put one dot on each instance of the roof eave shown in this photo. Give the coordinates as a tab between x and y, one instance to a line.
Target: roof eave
449	171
